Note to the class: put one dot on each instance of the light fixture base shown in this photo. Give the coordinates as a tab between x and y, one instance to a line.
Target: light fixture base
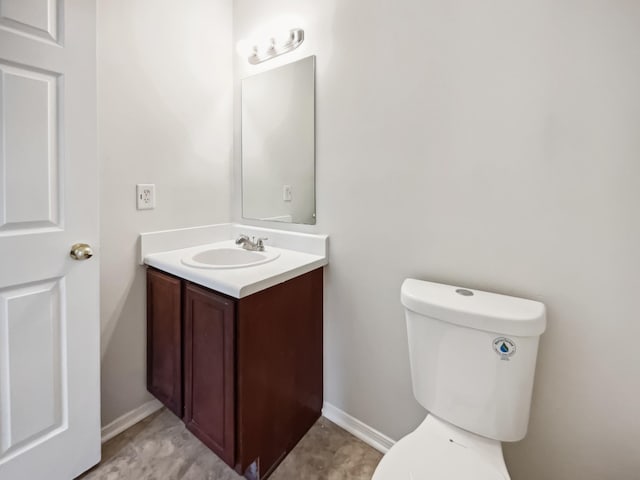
296	37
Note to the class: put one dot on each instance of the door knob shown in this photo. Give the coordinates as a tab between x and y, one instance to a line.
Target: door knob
81	251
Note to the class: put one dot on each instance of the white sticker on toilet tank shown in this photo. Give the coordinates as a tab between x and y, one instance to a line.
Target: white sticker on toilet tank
505	347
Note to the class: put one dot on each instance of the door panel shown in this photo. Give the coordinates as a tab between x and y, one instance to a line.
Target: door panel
29	166
32	404
164	339
38	18
49	303
209	370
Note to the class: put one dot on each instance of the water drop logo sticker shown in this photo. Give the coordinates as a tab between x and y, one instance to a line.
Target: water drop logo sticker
505	347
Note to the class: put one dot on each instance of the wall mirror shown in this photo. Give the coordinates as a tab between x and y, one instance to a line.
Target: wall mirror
278	144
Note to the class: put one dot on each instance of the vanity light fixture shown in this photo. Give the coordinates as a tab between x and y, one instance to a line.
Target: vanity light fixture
277	47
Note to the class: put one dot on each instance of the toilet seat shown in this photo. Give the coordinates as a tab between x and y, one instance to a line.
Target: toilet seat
437	450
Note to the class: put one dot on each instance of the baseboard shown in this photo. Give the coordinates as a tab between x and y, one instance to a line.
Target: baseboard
359	429
355	427
129	419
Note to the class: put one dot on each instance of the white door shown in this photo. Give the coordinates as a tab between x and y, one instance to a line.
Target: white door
49	320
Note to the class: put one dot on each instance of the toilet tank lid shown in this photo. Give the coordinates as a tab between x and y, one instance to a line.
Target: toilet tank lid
491	312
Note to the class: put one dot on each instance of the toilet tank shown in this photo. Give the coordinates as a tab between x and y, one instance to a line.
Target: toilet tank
473	356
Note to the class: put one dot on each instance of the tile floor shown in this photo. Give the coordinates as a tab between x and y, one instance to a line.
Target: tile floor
161	448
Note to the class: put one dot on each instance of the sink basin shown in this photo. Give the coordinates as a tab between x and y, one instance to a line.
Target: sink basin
229	258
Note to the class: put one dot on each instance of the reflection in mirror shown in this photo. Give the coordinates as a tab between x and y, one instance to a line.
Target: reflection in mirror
278	144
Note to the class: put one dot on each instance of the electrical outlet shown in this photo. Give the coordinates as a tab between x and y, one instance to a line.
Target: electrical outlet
286	193
145	196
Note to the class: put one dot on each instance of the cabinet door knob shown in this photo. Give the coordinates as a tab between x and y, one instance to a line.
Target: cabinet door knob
81	251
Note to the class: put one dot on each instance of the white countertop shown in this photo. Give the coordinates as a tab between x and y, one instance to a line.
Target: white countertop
237	282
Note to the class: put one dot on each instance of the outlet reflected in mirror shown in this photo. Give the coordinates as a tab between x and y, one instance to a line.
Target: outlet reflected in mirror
278	144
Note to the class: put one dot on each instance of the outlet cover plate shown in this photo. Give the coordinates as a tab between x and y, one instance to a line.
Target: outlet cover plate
145	196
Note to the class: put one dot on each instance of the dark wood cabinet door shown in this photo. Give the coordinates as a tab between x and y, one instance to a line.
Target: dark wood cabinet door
164	339
209	369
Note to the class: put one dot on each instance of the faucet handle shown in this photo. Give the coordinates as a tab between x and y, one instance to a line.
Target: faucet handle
260	242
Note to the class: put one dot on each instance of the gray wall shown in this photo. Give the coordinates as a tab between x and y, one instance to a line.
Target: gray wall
165	117
493	145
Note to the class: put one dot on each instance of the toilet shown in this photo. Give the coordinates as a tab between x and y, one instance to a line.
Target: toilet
473	357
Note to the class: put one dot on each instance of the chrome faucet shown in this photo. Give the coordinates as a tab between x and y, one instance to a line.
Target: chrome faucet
251	243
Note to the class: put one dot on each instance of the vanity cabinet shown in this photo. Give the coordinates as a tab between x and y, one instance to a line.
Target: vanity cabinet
252	367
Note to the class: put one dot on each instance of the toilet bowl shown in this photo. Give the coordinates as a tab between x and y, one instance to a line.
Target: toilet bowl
472	357
437	450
